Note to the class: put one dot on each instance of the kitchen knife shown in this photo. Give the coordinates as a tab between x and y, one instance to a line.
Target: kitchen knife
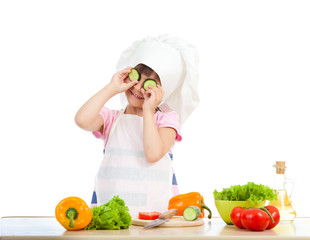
164	217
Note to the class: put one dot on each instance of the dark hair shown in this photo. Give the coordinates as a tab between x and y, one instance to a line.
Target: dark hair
144	69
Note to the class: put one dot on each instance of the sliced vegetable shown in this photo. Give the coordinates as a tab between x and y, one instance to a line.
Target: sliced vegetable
182	201
149	82
149	215
134	75
112	215
252	192
73	213
191	213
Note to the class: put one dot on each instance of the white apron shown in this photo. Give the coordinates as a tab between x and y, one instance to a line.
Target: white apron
124	170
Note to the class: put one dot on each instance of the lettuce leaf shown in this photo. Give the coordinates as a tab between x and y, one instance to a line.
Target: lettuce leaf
112	215
255	193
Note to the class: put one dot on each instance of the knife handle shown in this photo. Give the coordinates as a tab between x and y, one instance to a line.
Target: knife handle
168	214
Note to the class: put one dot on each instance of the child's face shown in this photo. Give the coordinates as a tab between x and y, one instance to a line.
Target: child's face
134	94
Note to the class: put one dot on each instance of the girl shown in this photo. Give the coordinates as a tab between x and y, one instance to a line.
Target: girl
138	139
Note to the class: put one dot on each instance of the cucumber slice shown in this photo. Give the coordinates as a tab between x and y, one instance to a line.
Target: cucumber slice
134	75
149	82
191	213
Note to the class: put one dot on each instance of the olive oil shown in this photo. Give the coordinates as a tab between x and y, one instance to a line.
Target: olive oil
284	204
287	212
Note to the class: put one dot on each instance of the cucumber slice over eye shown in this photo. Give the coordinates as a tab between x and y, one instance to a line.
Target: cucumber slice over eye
134	75
149	82
191	213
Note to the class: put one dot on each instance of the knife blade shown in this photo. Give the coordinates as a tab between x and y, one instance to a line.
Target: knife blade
164	217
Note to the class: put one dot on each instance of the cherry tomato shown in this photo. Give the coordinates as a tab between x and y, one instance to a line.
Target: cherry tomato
149	215
235	216
255	219
275	215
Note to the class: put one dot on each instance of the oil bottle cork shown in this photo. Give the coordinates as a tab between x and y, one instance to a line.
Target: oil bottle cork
280	167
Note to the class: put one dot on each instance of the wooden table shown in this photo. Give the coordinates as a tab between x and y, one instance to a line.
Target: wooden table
49	228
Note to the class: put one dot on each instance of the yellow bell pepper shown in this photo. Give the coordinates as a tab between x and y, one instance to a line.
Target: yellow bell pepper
73	213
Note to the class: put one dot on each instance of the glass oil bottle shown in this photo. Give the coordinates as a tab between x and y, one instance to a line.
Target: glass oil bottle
284	205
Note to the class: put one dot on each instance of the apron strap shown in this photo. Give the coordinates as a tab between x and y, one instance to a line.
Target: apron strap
113	127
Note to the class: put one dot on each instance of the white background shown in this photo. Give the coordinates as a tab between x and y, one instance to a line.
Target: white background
254	91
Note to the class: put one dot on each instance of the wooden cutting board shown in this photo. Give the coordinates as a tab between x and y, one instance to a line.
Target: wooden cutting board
176	221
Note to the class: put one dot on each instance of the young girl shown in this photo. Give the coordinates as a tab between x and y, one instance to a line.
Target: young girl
139	138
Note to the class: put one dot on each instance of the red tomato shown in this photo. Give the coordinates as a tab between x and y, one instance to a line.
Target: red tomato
275	215
235	216
255	219
149	215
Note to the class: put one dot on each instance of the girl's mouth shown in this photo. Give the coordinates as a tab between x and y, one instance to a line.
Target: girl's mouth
135	95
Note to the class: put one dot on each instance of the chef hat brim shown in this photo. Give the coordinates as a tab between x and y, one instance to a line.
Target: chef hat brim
176	63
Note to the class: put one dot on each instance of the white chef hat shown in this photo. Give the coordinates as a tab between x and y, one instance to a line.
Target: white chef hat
176	63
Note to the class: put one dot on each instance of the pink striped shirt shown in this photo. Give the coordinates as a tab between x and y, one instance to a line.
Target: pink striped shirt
163	119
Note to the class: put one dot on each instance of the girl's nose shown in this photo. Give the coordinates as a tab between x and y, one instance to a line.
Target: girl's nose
139	85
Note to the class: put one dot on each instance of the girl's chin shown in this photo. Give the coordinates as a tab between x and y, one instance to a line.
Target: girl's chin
135	102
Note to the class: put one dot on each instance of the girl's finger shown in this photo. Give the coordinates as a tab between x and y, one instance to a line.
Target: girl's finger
144	93
162	92
129	84
151	93
157	89
158	93
124	73
150	89
132	83
160	88
127	69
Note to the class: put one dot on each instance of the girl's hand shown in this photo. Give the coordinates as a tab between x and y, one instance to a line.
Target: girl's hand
152	97
120	80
